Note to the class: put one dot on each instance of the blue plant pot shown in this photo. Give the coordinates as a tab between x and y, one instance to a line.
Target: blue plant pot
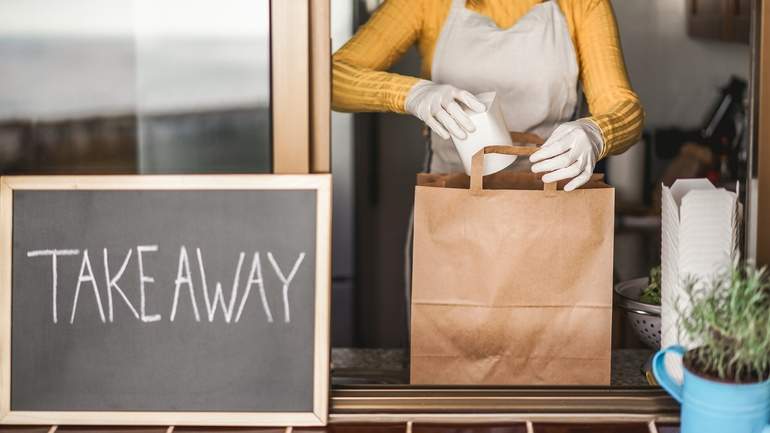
715	407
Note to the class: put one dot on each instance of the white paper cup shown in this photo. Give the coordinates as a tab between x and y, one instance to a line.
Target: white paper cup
490	129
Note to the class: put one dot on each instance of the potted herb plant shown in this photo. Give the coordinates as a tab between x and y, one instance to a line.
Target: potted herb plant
726	384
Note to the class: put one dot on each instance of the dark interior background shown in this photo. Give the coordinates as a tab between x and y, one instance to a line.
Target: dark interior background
682	56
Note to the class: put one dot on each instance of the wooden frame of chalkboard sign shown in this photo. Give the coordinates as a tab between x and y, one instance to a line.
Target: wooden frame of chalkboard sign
314	396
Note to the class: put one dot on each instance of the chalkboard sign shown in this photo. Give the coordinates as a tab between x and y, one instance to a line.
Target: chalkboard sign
175	300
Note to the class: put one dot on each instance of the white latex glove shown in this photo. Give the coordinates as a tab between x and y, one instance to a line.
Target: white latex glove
570	152
437	105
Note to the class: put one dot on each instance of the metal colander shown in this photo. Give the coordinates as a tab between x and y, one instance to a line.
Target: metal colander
644	318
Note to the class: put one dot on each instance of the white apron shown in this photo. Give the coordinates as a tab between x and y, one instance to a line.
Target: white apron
532	66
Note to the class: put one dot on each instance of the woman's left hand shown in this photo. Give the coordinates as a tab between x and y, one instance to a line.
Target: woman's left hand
570	152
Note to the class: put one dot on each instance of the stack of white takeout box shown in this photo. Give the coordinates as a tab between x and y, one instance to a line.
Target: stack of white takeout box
700	235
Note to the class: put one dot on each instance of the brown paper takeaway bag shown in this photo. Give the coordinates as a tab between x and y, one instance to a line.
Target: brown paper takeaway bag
512	280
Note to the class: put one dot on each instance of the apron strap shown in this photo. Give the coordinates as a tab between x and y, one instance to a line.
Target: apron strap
458	4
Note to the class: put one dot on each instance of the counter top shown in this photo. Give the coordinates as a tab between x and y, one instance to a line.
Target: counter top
390	366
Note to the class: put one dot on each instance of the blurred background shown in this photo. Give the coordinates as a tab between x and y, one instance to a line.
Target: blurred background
134	86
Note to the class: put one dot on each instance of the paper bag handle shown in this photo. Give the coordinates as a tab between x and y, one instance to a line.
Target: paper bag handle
527	137
477	163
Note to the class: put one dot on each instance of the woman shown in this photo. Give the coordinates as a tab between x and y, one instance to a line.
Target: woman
530	52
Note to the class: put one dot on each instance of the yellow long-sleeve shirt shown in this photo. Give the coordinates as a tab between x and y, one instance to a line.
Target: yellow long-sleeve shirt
360	81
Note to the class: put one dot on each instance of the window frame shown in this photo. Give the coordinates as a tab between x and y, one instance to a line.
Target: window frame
301	86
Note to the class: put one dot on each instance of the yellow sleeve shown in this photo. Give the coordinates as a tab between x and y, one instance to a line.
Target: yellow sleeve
615	108
359	82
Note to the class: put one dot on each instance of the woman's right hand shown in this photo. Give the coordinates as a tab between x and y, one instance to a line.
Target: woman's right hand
438	105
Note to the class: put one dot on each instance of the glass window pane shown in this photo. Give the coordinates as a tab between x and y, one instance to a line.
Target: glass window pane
67	94
203	86
134	86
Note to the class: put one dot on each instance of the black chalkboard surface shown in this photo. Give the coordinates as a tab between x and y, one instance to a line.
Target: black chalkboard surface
181	299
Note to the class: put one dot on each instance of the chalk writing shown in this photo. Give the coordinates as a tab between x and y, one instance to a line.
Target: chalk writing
112	283
185	285
54	266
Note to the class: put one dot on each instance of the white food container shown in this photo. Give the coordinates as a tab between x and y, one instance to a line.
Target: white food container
490	130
